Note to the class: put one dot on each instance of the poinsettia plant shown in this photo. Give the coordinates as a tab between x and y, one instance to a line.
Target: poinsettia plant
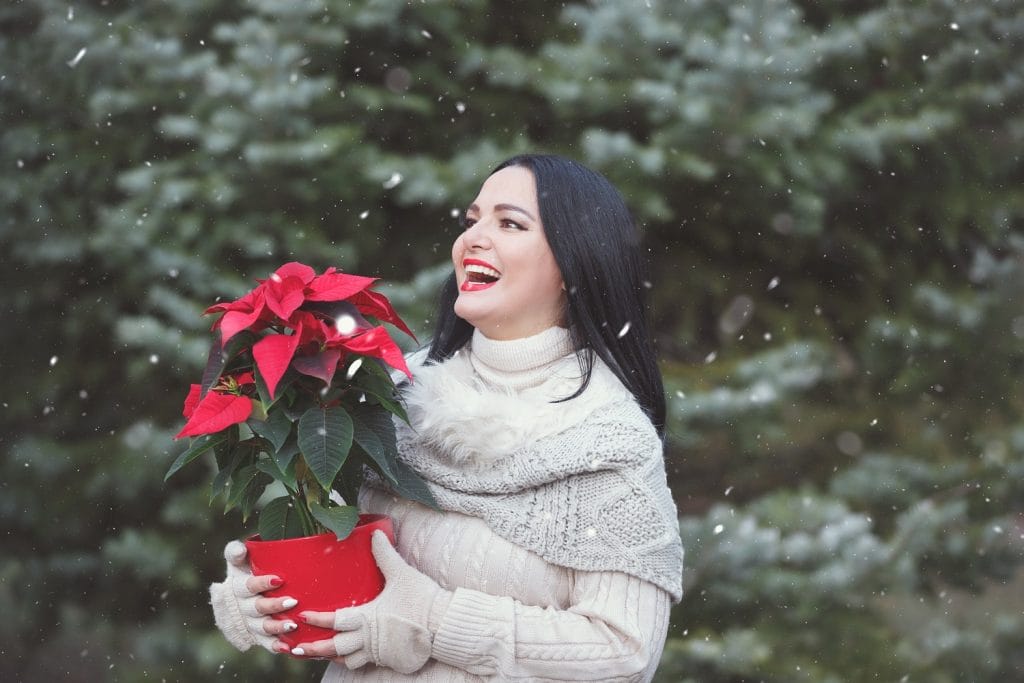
297	391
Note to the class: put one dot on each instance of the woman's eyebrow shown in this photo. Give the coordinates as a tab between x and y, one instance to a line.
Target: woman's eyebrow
505	207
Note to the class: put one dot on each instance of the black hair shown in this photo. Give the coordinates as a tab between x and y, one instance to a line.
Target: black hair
596	245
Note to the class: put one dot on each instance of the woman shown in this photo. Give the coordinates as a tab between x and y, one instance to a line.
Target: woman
537	419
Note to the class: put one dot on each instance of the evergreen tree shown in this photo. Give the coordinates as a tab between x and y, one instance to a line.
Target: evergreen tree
831	199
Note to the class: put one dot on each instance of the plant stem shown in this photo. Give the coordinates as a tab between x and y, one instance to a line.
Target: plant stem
309	525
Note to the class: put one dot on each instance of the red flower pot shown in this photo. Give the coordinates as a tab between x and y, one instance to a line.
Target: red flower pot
321	572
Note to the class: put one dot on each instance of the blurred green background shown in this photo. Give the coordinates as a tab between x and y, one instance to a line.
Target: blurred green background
831	196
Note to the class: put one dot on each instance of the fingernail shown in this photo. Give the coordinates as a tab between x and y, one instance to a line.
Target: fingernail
298	651
288	603
275	582
290	626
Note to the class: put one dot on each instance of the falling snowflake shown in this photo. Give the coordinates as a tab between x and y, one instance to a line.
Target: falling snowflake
354	368
393	181
154	359
345	324
625	330
774	283
53	361
460	107
73	62
719	528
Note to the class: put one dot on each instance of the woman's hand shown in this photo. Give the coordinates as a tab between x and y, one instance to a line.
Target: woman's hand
394	630
242	614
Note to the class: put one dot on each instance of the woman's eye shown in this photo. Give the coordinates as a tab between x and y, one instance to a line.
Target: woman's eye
512	224
467	222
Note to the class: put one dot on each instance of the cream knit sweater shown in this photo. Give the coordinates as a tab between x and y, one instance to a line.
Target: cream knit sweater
514	616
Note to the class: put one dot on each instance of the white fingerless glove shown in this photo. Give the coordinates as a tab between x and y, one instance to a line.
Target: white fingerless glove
234	606
396	629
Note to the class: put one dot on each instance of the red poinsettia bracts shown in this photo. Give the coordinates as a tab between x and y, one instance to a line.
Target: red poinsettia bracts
224	405
307	339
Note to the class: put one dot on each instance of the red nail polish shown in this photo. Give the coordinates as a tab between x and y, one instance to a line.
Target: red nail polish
275	582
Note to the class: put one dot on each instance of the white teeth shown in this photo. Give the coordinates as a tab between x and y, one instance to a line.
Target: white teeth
483	270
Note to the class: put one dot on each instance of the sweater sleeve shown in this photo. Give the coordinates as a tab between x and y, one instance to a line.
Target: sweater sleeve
614	630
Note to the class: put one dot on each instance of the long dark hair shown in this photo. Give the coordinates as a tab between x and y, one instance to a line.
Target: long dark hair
596	244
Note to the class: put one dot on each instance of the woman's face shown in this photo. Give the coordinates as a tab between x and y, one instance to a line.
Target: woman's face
510	286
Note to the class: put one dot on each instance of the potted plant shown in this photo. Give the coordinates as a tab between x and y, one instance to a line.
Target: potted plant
296	394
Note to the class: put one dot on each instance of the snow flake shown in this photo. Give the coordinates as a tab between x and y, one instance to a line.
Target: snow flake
625	330
354	368
53	361
710	358
154	359
680	394
426	34
460	107
719	528
773	283
728	490
393	181
955	26
591	532
364	214
73	62
345	324
924	58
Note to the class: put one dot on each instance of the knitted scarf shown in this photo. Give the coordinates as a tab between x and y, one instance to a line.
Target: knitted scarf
581	483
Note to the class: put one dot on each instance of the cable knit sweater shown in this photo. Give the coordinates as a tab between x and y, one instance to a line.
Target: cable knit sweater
532	594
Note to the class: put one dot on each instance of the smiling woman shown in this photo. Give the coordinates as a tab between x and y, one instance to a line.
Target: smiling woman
509	283
536	419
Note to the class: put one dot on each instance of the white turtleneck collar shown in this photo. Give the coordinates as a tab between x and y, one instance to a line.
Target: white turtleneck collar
519	364
494	397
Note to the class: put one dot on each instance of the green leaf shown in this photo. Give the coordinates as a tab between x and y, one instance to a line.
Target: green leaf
341	520
229	458
287	379
218	358
195	449
376	382
274	429
247	485
325	437
411	486
279	519
374	431
285	457
286	476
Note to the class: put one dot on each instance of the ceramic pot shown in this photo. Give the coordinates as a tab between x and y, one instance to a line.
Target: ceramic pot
321	572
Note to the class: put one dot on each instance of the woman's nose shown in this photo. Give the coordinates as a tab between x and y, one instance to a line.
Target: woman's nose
477	235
